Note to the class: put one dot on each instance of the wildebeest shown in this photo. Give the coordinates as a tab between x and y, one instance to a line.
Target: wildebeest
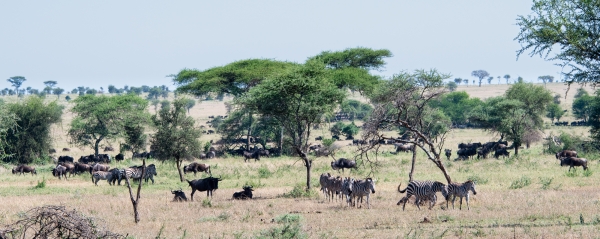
119	157
51	151
82	167
448	153
501	152
65	158
69	166
116	176
404	147
99	167
66	149
108	148
319	138
209	185
102	175
196	167
243	195
211	155
179	195
264	152
566	154
150	173
343	163
251	155
572	162
59	171
22	169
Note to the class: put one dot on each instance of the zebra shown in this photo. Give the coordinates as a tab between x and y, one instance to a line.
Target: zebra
363	188
347	188
334	187
150	173
323	180
101	175
423	190
461	190
134	173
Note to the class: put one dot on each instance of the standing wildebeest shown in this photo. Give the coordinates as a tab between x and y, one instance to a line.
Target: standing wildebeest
209	185
448	153
99	167
251	155
108	148
572	162
501	152
66	149
179	195
102	175
150	173
196	167
65	158
22	169
119	157
70	167
211	155
82	167
243	195
264	152
116	176
566	154
343	163
59	171
51	151
404	147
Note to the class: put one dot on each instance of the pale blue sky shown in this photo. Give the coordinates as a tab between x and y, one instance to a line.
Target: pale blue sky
97	43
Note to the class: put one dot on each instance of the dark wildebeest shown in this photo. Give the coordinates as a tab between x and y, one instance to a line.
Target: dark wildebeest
70	167
264	152
211	155
82	167
108	148
51	151
22	169
404	147
566	154
65	158
59	171
343	163
209	185
251	155
99	167
243	195
66	149
572	162
501	152
116	175
448	153
179	195
319	138
119	157
196	167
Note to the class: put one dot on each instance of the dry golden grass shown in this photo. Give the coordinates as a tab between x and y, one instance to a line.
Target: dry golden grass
496	211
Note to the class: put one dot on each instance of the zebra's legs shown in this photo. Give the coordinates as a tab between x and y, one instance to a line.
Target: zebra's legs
453	199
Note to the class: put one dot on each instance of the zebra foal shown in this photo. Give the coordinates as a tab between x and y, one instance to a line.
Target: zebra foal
461	190
423	190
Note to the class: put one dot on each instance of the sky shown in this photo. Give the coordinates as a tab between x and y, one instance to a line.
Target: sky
135	43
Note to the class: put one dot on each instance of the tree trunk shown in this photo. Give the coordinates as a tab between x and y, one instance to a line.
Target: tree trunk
440	165
307	164
517	148
412	167
97	144
281	142
249	132
179	169
135	201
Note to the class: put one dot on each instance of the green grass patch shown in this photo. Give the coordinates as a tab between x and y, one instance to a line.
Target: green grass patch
299	191
520	183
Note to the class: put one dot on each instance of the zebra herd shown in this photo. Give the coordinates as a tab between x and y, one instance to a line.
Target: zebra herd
426	190
117	175
352	189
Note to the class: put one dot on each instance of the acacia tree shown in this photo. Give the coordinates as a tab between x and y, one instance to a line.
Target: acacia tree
101	118
16	82
176	136
297	100
546	78
516	114
480	74
507	77
404	102
565	31
554	111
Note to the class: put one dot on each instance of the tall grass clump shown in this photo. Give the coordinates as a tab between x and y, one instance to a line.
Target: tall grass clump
478	179
41	184
264	172
520	183
291	228
299	191
545	182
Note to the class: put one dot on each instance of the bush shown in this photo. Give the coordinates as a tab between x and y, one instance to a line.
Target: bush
264	172
299	191
545	182
478	180
520	183
291	228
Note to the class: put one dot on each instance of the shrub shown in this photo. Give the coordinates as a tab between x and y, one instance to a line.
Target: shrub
478	180
264	172
545	182
520	183
299	191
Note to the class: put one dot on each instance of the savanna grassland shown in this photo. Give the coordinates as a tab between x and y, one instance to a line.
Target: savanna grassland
529	196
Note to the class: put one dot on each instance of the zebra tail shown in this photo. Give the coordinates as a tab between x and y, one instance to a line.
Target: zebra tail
401	191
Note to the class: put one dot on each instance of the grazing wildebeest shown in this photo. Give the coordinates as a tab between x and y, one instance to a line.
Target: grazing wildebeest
66	149
572	162
102	158
264	152
22	169
59	171
209	185
404	147
99	167
243	195
108	148
70	167
86	159
82	167
119	157
196	167
448	153
65	159
343	163
179	195
501	152
251	155
566	154
51	151
319	138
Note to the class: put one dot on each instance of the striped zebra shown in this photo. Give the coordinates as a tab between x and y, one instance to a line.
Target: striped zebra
422	190
461	190
363	188
150	173
323	180
134	173
347	188
101	175
330	185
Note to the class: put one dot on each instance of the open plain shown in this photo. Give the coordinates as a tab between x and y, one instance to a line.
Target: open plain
524	196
